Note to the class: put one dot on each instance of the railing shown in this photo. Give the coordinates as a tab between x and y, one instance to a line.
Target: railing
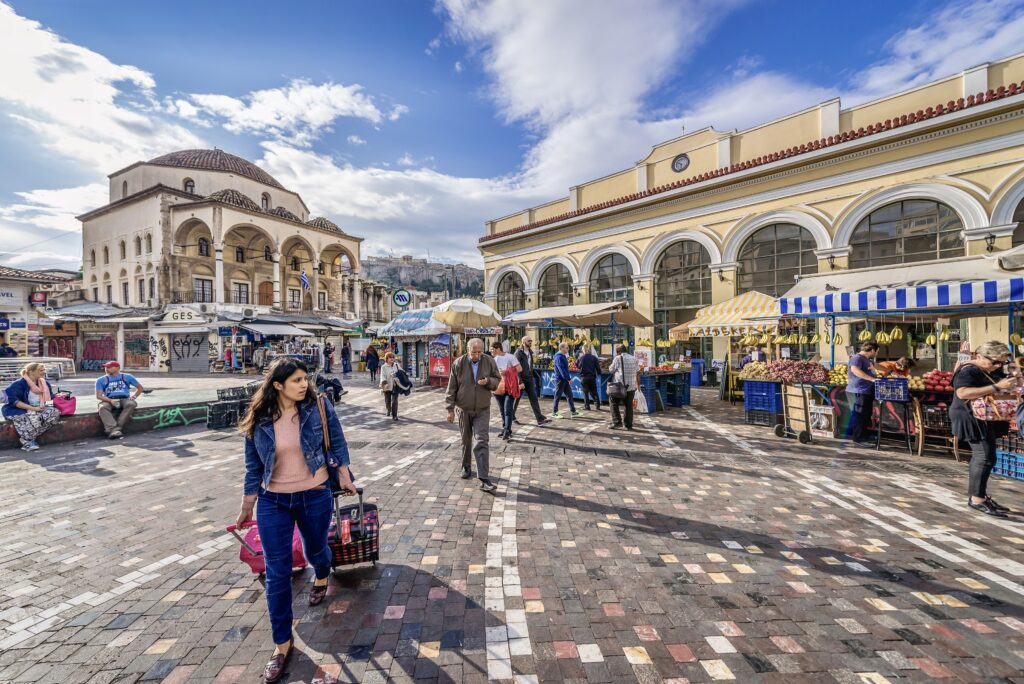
191	297
239	297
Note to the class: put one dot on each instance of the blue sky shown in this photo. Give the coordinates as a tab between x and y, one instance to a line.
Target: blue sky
412	123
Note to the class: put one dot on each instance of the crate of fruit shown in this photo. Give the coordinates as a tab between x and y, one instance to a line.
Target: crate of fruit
892	389
1009	464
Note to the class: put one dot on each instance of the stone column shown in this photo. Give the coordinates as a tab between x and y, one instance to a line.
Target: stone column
357	287
723	288
218	277
981	330
314	283
276	257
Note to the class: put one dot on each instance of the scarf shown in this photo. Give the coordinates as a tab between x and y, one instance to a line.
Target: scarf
41	388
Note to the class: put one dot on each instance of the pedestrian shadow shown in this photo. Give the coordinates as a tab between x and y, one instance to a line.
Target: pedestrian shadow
663	526
377	617
86	462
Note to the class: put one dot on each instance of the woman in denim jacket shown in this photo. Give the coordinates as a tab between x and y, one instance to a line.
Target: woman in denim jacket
287	471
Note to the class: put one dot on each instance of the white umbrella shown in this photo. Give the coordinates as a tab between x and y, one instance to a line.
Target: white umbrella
466	313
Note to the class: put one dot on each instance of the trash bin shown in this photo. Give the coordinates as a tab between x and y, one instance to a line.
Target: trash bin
696	372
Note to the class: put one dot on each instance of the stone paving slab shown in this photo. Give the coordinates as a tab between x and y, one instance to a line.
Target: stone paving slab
695	548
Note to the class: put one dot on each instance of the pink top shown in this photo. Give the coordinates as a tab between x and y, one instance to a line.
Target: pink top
291	474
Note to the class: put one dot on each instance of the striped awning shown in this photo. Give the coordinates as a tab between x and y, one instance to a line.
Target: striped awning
749	312
976	283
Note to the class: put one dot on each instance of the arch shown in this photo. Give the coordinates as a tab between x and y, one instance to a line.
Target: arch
542	265
772	256
1007	204
138	246
265	203
106	255
596	254
123	250
251	238
744	229
509	300
138	269
294	241
92	258
92	280
969	209
654	250
492	282
615	283
331	260
149	243
202	270
242	228
188	233
106	277
123	274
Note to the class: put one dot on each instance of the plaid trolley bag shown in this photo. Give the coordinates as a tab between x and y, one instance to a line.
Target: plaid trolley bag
354	534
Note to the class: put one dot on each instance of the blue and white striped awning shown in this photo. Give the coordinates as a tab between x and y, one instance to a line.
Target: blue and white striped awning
971	283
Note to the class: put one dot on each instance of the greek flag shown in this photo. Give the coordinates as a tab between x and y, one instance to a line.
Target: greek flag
305	280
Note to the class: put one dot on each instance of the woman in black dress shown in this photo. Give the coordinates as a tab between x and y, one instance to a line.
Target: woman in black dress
981	377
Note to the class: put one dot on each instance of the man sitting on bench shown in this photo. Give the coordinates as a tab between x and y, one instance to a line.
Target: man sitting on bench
114	392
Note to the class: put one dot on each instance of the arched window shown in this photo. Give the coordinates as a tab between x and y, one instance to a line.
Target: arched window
295	263
152	288
124	250
204	247
611	280
773	256
267	255
106	255
511	295
92	258
189	186
149	243
683	277
1018	218
124	189
138	246
905	232
265	202
556	286
142	290
240	255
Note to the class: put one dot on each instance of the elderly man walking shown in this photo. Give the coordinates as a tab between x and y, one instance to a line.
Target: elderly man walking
473	379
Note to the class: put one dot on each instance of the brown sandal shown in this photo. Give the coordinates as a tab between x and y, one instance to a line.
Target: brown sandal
275	668
317	594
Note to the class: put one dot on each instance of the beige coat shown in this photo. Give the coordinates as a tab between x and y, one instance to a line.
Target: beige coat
466	394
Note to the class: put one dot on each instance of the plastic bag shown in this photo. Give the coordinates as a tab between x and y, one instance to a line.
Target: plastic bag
640	403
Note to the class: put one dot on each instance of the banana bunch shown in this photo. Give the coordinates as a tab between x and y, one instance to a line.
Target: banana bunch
815	338
864	335
1017	339
881	337
944	335
764	339
837	340
896	333
930	340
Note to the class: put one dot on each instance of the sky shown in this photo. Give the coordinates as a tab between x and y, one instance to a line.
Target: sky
412	123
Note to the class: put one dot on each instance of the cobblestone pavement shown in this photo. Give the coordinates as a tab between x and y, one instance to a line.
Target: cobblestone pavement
694	549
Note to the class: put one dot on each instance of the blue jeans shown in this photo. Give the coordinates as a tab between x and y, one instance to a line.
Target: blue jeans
561	388
276	517
506	404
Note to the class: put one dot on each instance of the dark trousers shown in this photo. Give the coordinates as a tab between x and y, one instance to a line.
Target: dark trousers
332	386
276	517
506	404
628	403
474	426
373	374
983	458
391	404
861	405
531	393
561	388
589	387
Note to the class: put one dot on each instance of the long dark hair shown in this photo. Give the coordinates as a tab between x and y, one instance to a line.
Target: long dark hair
265	400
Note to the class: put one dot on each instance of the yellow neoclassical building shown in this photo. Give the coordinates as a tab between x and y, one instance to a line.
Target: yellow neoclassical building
932	174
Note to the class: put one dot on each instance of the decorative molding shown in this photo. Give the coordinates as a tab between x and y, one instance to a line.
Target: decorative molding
596	254
748	227
663	242
538	269
730	183
983	232
725	266
495	278
1007	204
833	252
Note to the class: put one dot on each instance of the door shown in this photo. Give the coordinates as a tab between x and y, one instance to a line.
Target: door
266	294
190	353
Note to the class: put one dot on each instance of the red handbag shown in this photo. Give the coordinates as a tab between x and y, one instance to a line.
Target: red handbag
65	403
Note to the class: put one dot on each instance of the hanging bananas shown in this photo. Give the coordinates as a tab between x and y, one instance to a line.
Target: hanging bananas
865	335
1017	339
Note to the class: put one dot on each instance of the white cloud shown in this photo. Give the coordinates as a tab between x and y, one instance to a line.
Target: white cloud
432	46
55	209
298	112
355	140
80	105
458	67
35	259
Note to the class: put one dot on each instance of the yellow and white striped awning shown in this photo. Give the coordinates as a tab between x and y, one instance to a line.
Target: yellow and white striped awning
750	312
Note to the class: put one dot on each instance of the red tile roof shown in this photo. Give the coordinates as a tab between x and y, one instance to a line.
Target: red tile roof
888	124
19	274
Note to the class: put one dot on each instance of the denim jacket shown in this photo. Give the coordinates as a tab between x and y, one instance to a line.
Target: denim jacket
260	449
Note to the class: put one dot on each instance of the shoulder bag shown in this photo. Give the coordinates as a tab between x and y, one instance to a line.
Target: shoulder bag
992	407
332	472
616	389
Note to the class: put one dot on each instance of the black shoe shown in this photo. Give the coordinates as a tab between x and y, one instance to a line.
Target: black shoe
466	473
986	508
629	427
394	417
992	502
488	486
615	426
543	421
586	407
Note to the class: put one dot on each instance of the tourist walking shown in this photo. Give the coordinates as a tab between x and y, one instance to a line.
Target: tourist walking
524	355
626	371
860	392
387	385
29	405
328	357
590	370
474	376
346	357
979	379
372	362
562	382
330	386
291	477
507	399
117	403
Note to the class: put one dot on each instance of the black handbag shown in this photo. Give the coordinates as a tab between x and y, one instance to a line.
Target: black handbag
616	390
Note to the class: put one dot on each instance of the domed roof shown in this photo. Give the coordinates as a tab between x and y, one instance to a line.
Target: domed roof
325	224
216	160
284	213
229	196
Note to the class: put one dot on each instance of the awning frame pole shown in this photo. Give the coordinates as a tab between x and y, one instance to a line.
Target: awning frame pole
832	344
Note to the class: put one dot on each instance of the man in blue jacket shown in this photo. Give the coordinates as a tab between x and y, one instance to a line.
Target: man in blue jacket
563	379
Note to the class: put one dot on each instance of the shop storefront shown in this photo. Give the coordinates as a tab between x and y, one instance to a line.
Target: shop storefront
60	339
99	344
182	341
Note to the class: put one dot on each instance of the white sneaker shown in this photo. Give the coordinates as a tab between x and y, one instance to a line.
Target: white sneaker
31	446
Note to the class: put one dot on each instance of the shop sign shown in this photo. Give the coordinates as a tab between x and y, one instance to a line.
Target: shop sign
98	327
5	324
11	296
37	298
401	298
59	329
181	316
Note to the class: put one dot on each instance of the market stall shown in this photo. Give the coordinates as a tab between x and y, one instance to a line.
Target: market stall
415	333
912	311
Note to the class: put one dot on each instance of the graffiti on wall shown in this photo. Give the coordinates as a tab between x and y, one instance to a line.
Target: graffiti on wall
60	347
136	349
97	351
186	346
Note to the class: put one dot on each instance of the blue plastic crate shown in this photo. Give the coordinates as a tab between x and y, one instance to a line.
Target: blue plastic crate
763	418
1009	464
892	389
762	395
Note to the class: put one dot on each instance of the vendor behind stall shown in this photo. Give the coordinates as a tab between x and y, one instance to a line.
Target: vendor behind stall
898	368
860	390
